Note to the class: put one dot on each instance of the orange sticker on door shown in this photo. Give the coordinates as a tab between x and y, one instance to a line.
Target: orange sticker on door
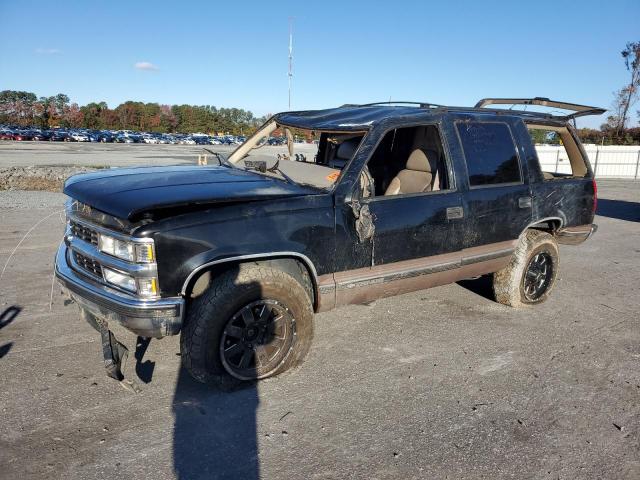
332	177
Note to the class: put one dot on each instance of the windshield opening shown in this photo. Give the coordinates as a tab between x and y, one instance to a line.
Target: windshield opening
307	157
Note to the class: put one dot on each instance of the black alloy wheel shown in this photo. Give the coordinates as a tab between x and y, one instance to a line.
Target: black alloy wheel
538	275
257	339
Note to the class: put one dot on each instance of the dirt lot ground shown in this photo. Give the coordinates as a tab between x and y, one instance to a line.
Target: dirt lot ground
441	383
26	154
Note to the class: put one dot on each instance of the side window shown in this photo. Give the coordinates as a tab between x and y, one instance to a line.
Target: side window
490	153
407	161
557	151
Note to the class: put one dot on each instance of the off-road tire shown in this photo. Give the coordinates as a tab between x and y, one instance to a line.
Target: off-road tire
508	283
208	314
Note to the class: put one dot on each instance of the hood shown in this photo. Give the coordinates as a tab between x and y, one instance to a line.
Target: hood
127	193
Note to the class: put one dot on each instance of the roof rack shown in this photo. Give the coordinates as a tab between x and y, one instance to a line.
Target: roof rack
394	102
580	110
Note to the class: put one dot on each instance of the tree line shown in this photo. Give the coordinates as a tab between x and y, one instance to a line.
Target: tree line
27	109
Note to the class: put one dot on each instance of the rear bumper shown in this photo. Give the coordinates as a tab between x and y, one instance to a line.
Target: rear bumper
152	318
576	235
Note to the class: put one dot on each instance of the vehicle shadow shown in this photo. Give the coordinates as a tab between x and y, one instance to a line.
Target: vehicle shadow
8	316
482	286
4	349
215	433
144	370
620	209
215	430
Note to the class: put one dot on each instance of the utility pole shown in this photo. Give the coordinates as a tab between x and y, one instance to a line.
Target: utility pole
290	57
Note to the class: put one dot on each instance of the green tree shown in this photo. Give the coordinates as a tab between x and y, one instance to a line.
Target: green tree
627	96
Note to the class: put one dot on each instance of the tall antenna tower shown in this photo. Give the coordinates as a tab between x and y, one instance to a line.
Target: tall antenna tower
290	57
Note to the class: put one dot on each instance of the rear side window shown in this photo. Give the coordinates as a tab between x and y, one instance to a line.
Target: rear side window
558	153
490	153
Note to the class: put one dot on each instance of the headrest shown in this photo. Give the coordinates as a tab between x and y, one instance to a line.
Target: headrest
422	161
348	148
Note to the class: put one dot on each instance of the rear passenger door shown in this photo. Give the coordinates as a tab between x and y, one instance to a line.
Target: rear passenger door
498	201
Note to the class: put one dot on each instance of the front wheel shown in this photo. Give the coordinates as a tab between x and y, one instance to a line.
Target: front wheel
251	323
531	273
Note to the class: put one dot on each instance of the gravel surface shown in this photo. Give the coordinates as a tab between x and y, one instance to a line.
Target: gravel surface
20	200
26	154
436	384
45	178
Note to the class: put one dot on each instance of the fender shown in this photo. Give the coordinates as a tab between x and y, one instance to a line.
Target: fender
540	220
256	256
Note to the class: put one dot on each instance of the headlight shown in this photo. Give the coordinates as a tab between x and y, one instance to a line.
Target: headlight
132	252
144	287
120	279
116	248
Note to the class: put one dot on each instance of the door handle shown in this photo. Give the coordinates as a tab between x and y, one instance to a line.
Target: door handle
524	202
454	212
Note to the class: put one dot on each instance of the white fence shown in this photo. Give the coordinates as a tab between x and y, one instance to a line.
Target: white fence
606	162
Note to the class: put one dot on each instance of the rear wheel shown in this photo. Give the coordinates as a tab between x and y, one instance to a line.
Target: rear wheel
531	273
252	322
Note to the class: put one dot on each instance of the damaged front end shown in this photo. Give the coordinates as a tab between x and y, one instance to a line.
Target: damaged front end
115	353
114	284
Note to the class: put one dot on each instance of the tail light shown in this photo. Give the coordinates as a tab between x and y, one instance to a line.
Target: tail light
595	196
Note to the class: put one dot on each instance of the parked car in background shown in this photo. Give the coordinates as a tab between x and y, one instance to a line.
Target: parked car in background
41	135
58	136
275	141
6	135
86	135
78	137
105	137
124	139
22	135
201	140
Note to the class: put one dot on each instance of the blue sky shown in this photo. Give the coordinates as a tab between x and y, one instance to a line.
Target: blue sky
235	54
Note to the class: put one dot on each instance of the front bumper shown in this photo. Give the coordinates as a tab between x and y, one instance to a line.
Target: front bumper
147	318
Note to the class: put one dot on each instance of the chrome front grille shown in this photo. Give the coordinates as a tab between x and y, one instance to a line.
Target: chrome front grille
83	232
88	264
85	257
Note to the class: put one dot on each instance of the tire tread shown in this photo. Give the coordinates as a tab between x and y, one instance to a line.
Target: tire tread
201	318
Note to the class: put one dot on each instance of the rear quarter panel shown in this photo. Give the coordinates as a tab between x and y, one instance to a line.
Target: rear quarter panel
569	199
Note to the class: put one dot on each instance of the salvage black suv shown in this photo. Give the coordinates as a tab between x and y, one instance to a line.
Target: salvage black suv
360	202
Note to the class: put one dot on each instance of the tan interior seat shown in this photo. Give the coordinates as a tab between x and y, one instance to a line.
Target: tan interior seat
419	175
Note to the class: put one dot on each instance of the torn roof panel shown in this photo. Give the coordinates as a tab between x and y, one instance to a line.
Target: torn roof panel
347	118
363	117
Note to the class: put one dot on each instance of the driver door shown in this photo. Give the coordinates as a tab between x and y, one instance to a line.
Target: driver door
398	242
